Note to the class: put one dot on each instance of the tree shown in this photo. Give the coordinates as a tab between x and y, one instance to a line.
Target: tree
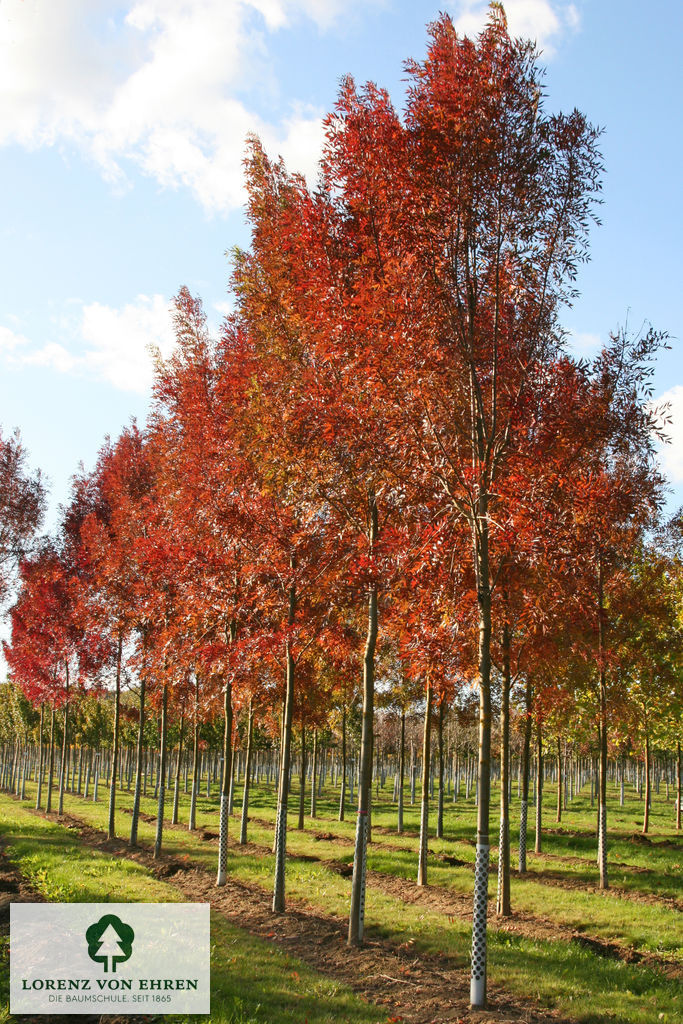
476	213
22	505
48	647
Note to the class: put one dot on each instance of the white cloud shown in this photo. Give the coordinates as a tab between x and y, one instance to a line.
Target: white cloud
542	20
102	342
10	341
671	455
163	85
53	356
224	308
584	345
118	340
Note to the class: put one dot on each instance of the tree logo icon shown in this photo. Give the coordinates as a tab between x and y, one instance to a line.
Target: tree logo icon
110	941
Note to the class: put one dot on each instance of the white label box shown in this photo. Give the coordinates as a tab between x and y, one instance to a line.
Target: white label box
142	958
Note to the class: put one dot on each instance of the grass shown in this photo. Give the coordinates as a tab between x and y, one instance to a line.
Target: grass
559	974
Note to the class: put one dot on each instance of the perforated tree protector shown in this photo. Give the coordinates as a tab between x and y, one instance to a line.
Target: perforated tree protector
223	842
481	885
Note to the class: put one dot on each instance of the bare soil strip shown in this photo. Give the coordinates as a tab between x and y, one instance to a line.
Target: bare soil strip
561	881
453	904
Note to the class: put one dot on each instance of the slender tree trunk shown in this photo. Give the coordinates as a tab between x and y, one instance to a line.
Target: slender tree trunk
559	781
424	805
176	788
539	786
40	756
526	751
115	743
98	757
224	817
679	795
357	910
65	745
401	771
192	823
439	812
233	766
314	774
602	790
621	781
247	775
139	768
162	773
283	792
342	794
278	761
302	787
413	772
25	769
646	815
503	895
369	818
481	871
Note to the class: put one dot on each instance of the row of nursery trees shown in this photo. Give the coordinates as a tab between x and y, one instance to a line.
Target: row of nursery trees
385	466
30	739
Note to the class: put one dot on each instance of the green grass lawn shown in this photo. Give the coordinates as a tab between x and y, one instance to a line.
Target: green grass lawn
556	973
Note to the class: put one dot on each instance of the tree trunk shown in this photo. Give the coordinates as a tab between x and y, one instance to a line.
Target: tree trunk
115	743
283	791
247	775
539	786
424	804
314	774
162	774
602	790
224	817
413	772
233	766
481	872
558	817
401	771
176	788
646	816
621	782
503	894
192	823
302	787
40	756
439	812
357	910
342	795
525	779
679	795
138	768
65	747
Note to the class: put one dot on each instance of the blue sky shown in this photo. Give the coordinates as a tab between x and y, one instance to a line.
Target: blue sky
122	130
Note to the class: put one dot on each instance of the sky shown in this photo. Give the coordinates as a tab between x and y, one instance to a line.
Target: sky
122	136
